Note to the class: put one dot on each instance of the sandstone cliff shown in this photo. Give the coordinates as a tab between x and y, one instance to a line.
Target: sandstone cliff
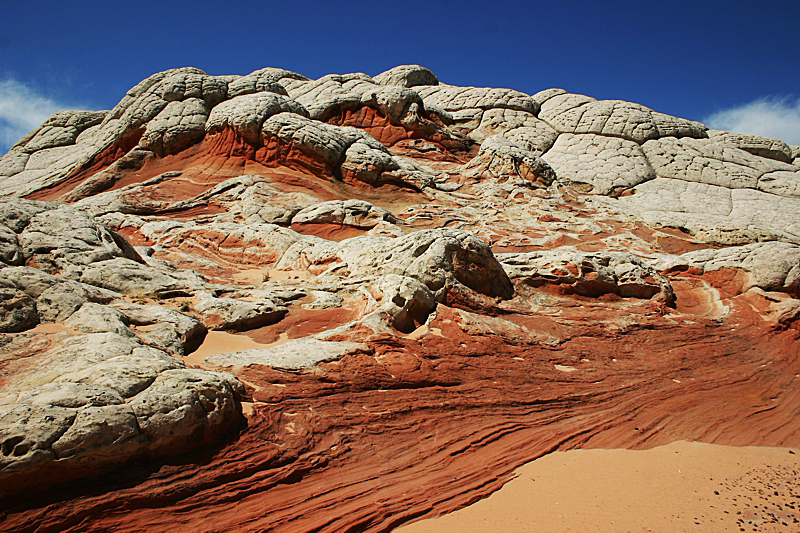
267	302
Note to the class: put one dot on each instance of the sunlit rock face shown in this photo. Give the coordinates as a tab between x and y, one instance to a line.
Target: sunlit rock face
267	302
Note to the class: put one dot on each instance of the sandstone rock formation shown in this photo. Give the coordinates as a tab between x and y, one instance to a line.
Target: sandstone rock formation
266	302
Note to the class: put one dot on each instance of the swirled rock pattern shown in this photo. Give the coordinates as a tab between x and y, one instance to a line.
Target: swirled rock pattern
267	302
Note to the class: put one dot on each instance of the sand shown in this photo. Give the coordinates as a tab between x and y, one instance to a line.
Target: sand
681	487
217	342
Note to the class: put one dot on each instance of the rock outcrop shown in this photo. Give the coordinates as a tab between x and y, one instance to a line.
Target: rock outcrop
100	400
231	302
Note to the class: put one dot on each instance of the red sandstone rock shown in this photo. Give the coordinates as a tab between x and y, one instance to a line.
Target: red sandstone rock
530	317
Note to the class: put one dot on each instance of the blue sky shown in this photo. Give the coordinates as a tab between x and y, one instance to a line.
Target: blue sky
730	64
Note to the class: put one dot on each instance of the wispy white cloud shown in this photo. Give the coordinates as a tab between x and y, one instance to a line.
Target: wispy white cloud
775	117
22	109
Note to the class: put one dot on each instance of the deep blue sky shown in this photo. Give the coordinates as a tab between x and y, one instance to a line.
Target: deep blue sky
684	58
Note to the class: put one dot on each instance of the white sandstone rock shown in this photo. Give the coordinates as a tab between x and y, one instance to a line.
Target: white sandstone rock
17	213
165	328
407	76
265	80
589	274
72	414
755	144
570	113
58	238
246	114
179	125
607	164
17	310
738	216
232	314
60	129
452	98
96	318
295	355
10	251
357	213
711	162
135	279
406	301
501	158
774	265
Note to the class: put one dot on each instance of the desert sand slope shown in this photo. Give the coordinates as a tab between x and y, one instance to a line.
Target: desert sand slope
683	486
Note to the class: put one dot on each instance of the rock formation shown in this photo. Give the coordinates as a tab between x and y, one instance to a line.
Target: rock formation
271	303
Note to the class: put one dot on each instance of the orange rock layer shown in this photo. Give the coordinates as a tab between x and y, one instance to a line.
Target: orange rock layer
437	419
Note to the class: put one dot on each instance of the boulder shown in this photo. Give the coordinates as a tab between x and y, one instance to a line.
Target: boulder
407	76
16	213
440	259
135	279
264	80
537	138
57	239
189	84
366	163
773	265
17	310
107	430
179	125
27	434
31	280
246	114
163	328
145	101
325	142
96	318
103	400
231	314
186	406
406	301
333	94
72	395
59	301
324	300
10	251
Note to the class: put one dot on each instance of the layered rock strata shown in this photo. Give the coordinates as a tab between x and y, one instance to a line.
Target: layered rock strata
271	303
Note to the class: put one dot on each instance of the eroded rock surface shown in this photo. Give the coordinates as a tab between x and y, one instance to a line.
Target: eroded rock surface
265	302
98	401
